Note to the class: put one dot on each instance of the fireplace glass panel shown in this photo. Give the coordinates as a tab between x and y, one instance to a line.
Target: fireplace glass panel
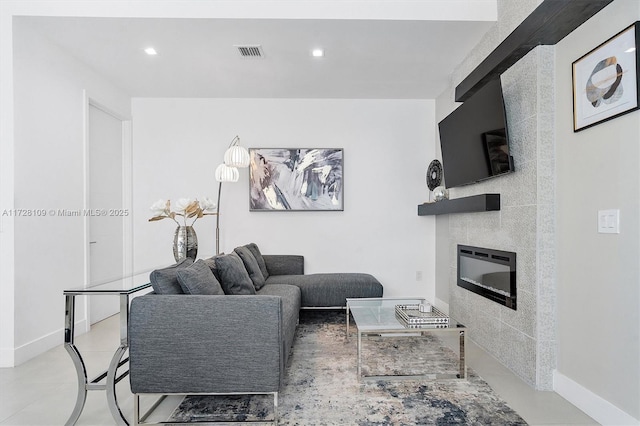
492	276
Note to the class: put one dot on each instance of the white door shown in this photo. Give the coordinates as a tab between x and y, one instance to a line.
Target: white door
105	223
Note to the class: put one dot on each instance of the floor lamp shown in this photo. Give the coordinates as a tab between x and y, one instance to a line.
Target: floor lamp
235	156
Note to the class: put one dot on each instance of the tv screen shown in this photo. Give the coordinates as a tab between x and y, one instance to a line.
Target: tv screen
474	138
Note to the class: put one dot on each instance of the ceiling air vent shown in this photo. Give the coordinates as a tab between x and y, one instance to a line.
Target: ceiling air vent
251	51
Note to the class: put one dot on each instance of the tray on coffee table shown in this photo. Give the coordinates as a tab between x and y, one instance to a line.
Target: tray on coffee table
410	316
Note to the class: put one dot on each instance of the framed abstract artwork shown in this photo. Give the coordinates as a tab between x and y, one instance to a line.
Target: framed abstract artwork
605	80
296	179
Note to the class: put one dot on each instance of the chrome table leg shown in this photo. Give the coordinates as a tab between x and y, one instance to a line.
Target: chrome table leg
78	363
81	372
112	380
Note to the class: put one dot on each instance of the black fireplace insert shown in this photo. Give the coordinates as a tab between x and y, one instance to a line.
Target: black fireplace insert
489	273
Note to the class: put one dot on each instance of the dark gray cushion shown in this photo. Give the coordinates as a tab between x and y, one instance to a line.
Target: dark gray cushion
256	253
211	262
284	264
251	265
165	281
330	290
233	276
198	279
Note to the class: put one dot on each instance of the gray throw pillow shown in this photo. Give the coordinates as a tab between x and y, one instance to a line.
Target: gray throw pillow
211	262
198	279
251	265
261	263
233	276
165	281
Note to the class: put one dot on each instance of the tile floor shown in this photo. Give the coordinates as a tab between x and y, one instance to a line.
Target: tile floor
42	391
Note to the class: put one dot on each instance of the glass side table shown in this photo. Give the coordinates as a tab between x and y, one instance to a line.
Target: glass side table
107	380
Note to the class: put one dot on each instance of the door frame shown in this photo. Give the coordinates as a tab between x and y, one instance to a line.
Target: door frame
127	179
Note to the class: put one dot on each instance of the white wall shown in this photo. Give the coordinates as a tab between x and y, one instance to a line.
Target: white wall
49	160
387	144
7	309
598	274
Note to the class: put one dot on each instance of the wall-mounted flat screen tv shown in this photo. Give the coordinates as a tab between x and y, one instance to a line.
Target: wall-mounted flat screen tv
474	138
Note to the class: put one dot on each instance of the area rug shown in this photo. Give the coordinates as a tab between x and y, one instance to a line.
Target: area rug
321	385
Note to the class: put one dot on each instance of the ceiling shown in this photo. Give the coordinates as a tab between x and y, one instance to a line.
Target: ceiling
364	58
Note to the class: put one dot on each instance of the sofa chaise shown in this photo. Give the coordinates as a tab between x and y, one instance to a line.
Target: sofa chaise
226	325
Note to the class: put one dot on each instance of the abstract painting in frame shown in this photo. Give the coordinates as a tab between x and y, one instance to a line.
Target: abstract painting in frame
605	80
296	179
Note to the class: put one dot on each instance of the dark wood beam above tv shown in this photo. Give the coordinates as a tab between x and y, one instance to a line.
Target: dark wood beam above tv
549	23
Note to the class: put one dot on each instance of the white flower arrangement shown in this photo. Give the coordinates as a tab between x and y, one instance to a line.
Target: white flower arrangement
184	207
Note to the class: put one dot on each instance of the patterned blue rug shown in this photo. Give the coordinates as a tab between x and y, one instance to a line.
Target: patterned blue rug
321	387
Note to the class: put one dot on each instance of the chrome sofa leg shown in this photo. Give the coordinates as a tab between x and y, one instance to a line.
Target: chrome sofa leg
136	409
275	408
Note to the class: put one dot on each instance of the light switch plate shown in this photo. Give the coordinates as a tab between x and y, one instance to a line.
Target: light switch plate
609	221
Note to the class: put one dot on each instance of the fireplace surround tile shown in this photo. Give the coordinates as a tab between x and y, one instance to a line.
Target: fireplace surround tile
523	319
520	89
546	80
546	182
546	329
527	270
546	361
519	354
489	335
546	145
519	226
546	273
486	226
523	133
525	177
546	227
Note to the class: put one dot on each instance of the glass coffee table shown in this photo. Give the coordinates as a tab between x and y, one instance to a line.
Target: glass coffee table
377	317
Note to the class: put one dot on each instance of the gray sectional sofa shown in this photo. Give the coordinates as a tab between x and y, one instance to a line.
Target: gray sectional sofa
226	325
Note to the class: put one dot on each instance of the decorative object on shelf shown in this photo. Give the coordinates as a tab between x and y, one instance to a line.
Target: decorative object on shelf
185	240
605	80
234	157
434	175
302	179
441	193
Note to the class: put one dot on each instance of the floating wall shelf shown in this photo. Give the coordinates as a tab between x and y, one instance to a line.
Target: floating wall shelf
475	203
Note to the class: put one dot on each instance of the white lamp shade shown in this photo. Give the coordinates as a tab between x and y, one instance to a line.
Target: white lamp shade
225	173
236	156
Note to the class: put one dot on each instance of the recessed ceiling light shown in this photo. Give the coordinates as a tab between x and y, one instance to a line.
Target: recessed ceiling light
150	51
317	53
629	50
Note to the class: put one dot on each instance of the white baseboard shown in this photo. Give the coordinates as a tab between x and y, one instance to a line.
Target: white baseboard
39	346
596	407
